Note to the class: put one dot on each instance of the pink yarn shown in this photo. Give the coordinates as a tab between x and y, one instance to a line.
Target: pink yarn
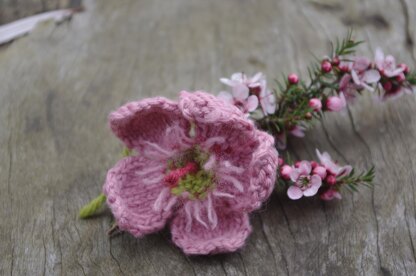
240	160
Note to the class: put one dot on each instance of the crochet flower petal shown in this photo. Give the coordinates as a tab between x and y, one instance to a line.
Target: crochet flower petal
137	197
229	235
246	158
155	125
262	170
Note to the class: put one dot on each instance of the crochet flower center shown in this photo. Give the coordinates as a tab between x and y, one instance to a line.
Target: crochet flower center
190	180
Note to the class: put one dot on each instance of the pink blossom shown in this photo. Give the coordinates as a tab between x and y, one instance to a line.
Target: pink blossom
201	168
336	103
363	79
348	88
331	166
330	195
240	98
267	101
315	104
241	78
360	64
298	131
387	65
320	170
256	85
305	184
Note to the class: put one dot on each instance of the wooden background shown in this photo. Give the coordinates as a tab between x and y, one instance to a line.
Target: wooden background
58	84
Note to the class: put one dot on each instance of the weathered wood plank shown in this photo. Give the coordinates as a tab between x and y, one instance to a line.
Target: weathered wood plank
58	85
11	10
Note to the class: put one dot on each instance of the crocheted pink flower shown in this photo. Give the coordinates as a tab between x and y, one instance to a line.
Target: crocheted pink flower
201	167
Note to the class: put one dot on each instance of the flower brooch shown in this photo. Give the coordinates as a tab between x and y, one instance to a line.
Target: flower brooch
201	168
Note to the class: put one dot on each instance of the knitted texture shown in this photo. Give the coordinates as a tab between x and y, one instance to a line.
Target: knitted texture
201	168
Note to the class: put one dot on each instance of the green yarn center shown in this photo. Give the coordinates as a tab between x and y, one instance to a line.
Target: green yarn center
196	185
193	185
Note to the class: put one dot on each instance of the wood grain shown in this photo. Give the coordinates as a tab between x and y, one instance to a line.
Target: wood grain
58	84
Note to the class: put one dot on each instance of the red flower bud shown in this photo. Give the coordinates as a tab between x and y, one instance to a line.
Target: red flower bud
315	104
388	85
331	180
401	77
326	66
293	78
285	172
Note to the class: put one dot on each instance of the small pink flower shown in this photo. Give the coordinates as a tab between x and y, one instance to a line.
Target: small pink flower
305	184
331	166
240	98
285	172
360	64
320	170
365	78
267	101
330	195
315	104
336	103
348	88
387	65
201	168
298	131
254	86
241	78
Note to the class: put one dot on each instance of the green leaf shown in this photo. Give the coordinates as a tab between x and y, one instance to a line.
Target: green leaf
93	207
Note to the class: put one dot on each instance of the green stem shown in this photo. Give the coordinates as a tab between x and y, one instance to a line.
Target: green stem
93	207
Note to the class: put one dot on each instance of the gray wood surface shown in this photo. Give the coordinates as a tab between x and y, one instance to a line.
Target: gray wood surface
58	84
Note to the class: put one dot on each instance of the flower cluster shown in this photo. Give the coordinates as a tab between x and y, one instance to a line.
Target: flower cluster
333	83
326	178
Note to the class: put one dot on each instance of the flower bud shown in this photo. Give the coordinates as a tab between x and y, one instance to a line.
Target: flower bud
314	164
321	171
315	104
326	66
401	77
335	103
293	78
331	180
285	171
335	61
281	162
330	194
387	86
